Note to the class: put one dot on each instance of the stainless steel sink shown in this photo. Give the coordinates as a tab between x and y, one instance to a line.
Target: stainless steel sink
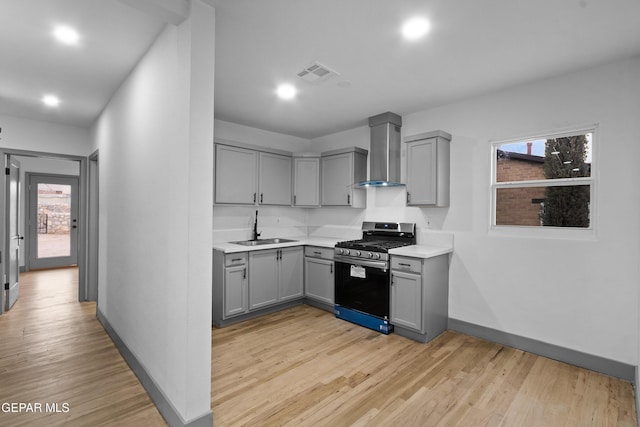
263	242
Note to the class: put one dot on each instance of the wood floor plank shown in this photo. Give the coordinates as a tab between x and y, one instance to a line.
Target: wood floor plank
304	367
54	351
296	367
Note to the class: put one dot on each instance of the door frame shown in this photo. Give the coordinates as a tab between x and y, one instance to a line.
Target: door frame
82	214
29	228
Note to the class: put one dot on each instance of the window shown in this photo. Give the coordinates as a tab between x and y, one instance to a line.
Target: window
544	182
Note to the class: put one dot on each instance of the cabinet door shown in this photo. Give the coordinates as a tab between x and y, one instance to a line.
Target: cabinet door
263	278
319	279
275	179
306	181
422	172
235	290
406	300
337	178
291	278
236	175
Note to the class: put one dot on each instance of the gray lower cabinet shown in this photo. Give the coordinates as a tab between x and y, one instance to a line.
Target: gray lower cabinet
319	275
275	275
235	290
291	280
246	282
420	296
230	286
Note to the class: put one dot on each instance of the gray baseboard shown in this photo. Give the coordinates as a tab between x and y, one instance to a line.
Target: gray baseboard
573	357
168	412
221	323
319	304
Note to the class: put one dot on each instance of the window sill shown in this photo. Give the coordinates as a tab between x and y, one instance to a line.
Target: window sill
558	233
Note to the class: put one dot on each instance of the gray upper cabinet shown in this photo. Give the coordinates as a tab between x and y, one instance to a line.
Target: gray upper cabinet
341	169
249	175
236	175
306	181
275	179
428	158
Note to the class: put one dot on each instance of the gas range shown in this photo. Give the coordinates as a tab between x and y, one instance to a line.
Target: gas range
377	239
362	274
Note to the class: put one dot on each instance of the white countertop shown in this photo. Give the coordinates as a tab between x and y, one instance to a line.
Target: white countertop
422	251
325	242
416	251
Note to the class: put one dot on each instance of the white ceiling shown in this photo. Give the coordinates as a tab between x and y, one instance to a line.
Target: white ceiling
113	38
474	47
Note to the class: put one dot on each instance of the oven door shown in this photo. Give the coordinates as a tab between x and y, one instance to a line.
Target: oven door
363	286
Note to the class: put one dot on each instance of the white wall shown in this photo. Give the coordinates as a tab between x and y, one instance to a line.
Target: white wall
248	135
34	135
579	294
155	141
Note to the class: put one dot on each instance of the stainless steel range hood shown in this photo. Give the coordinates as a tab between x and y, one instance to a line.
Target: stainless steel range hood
384	152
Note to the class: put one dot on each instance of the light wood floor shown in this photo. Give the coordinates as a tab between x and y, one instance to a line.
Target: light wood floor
299	367
304	367
54	350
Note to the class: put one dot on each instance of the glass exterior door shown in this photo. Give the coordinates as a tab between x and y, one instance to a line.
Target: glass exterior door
53	212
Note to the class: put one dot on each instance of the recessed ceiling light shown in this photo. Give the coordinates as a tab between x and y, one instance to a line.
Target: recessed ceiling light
286	91
50	100
415	28
66	35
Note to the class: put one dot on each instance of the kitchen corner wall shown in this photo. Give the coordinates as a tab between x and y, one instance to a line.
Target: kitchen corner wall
236	222
577	294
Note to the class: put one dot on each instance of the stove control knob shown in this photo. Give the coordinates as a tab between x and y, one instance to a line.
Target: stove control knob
358	253
339	251
376	256
346	251
370	254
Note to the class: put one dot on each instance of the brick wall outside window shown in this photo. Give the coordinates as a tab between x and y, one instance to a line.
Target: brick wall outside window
514	205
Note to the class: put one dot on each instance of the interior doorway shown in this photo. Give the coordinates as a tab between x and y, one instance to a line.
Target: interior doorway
80	164
52	212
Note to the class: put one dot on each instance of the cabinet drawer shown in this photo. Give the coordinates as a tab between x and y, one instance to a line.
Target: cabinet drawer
406	264
235	259
318	252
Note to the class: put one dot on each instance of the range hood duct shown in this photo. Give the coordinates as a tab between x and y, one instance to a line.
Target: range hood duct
384	151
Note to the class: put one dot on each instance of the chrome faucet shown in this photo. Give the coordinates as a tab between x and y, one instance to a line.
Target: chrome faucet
255	228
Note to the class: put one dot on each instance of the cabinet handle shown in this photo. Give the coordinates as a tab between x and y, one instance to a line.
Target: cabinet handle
244	273
331	269
254	197
408	197
317	253
261	197
294	199
348	199
236	259
404	264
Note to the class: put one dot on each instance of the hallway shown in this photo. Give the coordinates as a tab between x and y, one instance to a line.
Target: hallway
57	364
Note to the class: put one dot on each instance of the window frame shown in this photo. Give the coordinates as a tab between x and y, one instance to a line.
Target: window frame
546	231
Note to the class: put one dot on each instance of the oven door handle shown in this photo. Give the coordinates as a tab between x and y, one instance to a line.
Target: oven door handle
381	265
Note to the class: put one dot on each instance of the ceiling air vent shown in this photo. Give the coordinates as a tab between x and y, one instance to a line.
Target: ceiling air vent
317	73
